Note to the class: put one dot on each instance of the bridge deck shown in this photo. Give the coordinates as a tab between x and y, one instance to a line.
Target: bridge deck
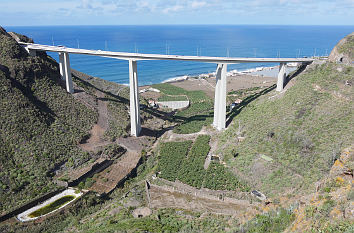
220	89
141	56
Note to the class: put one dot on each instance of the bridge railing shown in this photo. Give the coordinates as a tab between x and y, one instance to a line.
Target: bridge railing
221	74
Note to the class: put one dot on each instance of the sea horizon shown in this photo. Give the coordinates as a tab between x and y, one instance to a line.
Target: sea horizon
202	40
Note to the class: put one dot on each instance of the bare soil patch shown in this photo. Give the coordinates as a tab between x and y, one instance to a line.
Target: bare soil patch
112	176
98	130
233	83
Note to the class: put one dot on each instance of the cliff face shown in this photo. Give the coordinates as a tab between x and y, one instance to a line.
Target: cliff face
40	124
343	52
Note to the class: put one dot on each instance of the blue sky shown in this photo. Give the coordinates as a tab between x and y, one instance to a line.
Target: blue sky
136	12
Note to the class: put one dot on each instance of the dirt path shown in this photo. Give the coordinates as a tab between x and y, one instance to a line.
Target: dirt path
98	130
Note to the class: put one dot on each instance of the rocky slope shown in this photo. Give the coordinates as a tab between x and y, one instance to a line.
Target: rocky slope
343	51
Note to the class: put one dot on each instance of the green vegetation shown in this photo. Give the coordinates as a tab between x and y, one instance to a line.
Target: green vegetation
169	89
337	227
119	120
52	206
172	98
113	151
302	131
218	177
320	216
87	183
347	47
41	124
68	217
242	92
274	222
198	114
165	220
171	155
192	169
117	98
175	162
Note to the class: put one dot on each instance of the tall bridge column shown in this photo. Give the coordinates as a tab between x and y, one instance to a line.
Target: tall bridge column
61	66
220	97
135	124
31	52
65	71
281	77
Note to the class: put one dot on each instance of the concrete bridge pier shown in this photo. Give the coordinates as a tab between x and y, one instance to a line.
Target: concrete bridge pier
135	123
281	77
61	65
220	97
32	52
65	71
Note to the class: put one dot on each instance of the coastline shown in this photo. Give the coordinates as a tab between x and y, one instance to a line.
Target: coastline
269	71
236	80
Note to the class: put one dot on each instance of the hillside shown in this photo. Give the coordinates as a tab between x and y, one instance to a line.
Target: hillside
294	146
302	130
42	126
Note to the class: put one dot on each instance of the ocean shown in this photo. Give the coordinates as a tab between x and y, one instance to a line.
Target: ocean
202	40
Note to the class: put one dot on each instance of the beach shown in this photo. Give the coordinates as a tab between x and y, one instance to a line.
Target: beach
236	80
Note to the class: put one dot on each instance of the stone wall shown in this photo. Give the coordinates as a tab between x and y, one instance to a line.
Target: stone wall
173	104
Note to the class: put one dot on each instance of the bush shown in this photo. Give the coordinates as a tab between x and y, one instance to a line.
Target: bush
171	157
272	222
192	170
175	163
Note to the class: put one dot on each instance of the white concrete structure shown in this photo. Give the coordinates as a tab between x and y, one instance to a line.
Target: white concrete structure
220	90
67	74
24	216
61	65
135	126
179	104
220	97
281	77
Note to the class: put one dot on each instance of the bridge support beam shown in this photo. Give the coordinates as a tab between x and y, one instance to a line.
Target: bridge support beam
281	77
31	52
220	97
65	71
135	123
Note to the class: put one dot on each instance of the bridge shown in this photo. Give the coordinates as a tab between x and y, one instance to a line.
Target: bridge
219	121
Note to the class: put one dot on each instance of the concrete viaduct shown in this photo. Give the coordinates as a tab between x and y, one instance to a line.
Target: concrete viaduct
219	121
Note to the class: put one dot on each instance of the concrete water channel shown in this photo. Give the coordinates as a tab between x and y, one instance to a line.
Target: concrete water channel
51	205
